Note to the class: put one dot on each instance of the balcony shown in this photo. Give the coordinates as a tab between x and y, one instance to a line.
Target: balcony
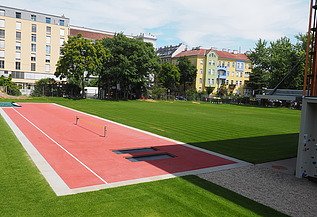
222	74
223	68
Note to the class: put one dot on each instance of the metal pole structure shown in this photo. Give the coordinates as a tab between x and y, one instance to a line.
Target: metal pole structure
308	50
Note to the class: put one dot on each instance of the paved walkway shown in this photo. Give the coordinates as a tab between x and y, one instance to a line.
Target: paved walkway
272	184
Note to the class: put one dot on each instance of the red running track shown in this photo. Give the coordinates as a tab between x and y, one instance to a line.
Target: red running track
82	158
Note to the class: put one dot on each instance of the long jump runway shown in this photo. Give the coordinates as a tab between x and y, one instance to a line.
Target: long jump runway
78	152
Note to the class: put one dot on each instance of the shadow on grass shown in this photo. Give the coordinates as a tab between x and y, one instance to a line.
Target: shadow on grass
233	197
255	149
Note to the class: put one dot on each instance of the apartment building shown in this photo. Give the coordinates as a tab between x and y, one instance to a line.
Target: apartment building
216	68
30	44
96	34
197	57
166	53
234	69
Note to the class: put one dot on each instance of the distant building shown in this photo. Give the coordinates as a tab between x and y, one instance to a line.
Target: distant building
149	38
233	69
168	52
216	68
89	33
30	44
95	34
197	57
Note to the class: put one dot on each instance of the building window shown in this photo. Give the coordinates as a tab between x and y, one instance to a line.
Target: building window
237	83
1	64
201	71
2	12
33	17
33	47
17	55
33	67
1	53
18	45
227	82
200	80
19	75
48	49
228	64
212	81
33	37
33	57
240	82
61	41
33	27
18	15
18	36
2	33
17	65
48	39
209	81
233	64
231	82
2	23
48	59
47	67
2	44
48	20
62	32
209	63
18	25
48	30
62	22
201	62
209	71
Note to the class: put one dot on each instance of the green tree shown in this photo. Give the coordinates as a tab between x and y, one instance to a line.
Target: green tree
279	64
11	87
260	58
129	66
169	76
44	87
188	72
285	61
78	61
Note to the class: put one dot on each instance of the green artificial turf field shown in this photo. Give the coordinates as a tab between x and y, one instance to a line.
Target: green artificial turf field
24	192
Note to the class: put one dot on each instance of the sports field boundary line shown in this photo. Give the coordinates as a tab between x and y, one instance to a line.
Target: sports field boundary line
54	180
154	178
244	163
64	149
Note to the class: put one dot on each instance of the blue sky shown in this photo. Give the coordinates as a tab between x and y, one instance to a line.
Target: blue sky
208	23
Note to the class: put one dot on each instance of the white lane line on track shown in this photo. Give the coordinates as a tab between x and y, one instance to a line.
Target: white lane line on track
64	149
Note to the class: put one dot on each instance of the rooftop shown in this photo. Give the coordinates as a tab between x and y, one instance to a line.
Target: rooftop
167	51
193	52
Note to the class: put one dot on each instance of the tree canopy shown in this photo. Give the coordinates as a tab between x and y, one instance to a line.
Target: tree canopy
188	72
80	59
129	66
278	63
169	76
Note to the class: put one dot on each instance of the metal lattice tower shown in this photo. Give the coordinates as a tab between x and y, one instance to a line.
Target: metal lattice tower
310	76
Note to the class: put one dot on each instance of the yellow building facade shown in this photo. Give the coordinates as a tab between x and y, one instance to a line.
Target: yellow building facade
197	57
30	44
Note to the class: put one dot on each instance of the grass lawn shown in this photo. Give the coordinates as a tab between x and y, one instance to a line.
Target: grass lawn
249	133
24	192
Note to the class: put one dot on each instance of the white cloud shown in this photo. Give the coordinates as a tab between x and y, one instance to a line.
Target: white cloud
199	22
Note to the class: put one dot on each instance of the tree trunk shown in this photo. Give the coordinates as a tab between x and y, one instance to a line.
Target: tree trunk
82	89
